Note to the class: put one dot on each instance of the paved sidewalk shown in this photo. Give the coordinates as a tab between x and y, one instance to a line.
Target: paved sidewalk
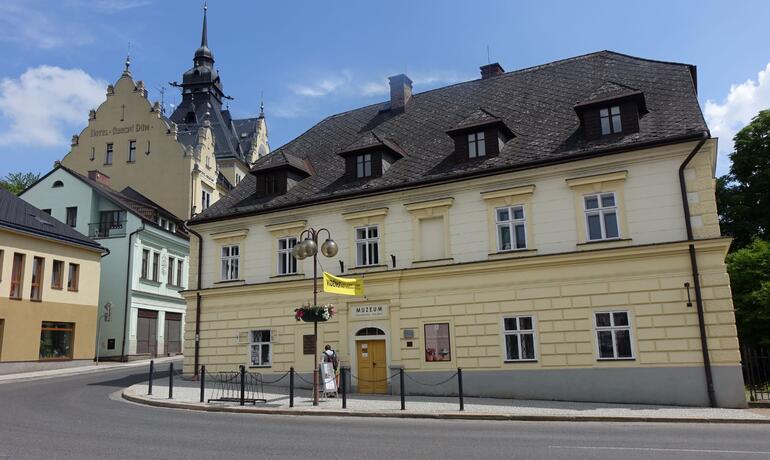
90	369
186	396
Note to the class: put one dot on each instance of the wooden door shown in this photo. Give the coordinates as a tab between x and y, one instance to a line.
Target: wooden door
173	334
372	367
147	332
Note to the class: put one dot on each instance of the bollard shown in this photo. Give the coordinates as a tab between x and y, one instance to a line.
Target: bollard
401	383
170	380
291	387
203	382
460	387
152	368
243	384
344	388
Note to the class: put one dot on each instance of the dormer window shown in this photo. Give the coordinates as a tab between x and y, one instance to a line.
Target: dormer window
476	145
277	173
364	165
610	120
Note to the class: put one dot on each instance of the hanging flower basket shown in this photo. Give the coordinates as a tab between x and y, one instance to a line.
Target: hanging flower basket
318	313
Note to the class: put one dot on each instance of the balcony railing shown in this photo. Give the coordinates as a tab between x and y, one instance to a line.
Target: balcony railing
107	229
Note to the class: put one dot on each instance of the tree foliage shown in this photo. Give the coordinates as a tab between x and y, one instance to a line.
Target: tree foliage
18	182
743	195
749	270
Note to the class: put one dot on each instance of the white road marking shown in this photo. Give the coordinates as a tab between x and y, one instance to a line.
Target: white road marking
661	449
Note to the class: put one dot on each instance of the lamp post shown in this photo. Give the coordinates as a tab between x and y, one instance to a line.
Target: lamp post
309	248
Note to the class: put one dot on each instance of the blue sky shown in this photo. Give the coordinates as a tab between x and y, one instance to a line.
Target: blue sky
311	59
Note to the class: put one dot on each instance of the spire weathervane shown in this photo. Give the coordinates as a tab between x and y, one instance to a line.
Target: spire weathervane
127	71
204	35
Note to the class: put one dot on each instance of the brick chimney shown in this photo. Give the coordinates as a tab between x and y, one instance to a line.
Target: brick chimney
400	91
491	70
99	177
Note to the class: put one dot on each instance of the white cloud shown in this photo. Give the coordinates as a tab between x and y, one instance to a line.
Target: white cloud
46	104
420	81
113	6
323	86
29	26
742	103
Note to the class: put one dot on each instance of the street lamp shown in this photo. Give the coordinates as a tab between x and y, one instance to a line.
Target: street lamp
309	248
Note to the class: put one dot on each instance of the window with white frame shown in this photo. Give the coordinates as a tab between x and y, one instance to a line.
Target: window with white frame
287	264
231	255
476	147
511	228
613	335
519	336
260	348
367	245
364	165
601	216
180	272
610	120
205	198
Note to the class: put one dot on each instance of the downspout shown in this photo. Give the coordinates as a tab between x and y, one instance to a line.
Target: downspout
123	357
197	300
99	310
695	274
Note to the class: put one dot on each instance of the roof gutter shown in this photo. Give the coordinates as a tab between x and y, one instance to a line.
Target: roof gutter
123	356
695	274
197	300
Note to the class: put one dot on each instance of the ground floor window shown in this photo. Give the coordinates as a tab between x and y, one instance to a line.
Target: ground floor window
613	335
519	334
437	342
260	347
56	340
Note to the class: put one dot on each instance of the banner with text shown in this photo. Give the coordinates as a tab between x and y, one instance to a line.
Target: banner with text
344	286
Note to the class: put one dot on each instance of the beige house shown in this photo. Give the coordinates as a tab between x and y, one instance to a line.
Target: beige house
49	290
184	162
552	244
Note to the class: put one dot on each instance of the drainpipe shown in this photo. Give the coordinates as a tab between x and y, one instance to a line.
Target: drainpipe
197	299
123	357
695	274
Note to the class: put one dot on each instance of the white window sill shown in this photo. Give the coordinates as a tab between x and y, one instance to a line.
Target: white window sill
366	269
608	243
514	361
261	366
616	359
511	253
230	282
288	277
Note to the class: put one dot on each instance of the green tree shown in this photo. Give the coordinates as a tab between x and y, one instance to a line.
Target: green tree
749	270
743	195
18	182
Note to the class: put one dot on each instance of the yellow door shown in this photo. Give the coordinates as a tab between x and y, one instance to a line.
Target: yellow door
372	367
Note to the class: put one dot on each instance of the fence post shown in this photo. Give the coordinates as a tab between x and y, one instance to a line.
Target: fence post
171	380
401	383
344	388
203	382
291	386
152	368
460	387
243	384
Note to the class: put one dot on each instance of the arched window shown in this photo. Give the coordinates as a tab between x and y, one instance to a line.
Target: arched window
370	331
57	184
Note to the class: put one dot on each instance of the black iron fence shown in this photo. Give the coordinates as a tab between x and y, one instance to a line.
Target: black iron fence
756	373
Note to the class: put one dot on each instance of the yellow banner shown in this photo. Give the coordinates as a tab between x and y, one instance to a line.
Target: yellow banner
344	286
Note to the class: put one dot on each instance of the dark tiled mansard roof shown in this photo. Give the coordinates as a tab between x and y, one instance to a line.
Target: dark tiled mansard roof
537	104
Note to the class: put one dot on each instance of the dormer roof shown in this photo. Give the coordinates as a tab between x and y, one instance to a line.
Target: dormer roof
479	118
282	160
612	91
371	140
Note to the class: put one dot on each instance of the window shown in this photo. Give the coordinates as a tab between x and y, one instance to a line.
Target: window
56	340
613	335
93	153
237	178
74	277
145	263
163	222
364	165
610	120
271	184
287	264
511	228
36	291
180	272
72	216
170	272
108	155
131	151
260	348
57	274
47	211
57	184
367	246
601	216
437	342
205	198
110	220
208	162
155	265
519	336
17	275
476	147
230	259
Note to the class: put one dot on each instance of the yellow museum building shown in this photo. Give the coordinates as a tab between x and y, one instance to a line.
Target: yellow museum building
49	290
552	231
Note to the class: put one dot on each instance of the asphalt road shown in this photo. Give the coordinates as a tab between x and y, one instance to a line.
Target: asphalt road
82	417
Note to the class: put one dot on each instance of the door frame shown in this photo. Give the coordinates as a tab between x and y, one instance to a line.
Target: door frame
354	347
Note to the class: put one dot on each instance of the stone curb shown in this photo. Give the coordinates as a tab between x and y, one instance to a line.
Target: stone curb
427	415
73	371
